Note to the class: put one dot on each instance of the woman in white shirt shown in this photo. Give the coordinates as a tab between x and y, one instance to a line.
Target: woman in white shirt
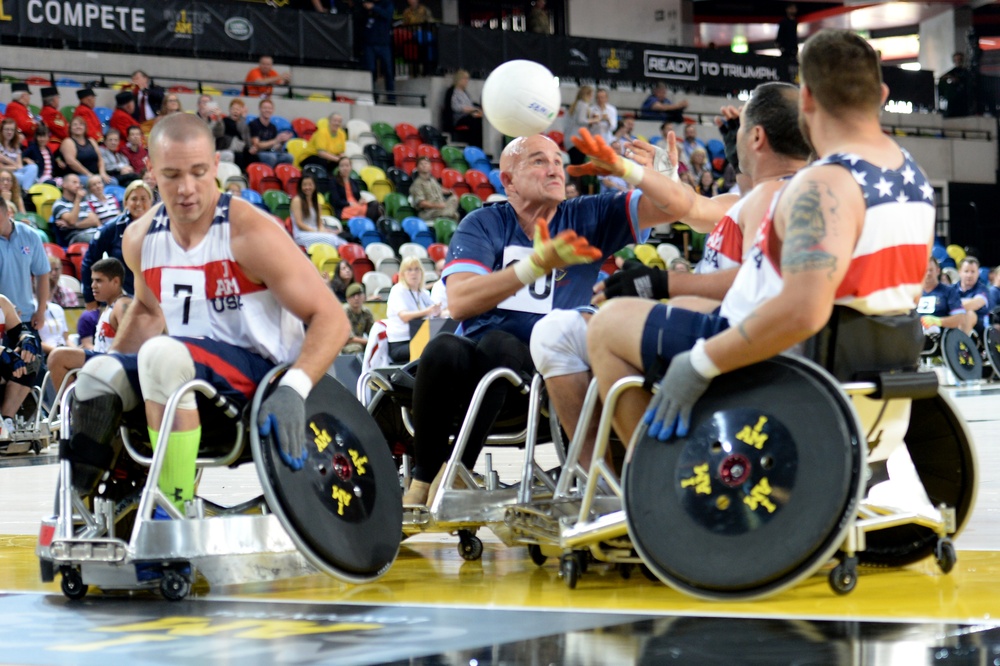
606	117
580	115
408	300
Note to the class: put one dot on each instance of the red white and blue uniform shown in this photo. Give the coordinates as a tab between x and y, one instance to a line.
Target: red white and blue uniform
724	245
104	336
491	238
234	328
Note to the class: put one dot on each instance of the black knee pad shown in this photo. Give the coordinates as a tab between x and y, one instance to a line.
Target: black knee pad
92	446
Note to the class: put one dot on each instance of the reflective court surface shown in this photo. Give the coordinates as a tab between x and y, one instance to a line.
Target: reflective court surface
433	607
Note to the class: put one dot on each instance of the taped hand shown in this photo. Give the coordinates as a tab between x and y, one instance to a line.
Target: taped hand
565	249
669	411
283	417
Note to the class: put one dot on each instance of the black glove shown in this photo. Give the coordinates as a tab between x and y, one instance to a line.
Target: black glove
728	132
283	417
11	360
642	281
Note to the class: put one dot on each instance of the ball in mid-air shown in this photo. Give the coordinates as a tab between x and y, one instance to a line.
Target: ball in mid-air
521	98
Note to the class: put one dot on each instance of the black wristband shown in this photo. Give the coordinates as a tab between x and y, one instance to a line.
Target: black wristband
641	281
728	130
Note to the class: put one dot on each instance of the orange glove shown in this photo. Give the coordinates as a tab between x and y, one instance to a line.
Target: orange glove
551	253
604	161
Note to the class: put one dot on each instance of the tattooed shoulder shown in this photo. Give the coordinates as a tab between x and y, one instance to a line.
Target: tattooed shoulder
811	206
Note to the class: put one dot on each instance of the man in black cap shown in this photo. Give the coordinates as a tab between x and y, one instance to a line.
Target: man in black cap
122	118
19	112
86	111
53	118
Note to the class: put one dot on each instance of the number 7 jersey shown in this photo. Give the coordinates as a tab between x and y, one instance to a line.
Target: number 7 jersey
204	293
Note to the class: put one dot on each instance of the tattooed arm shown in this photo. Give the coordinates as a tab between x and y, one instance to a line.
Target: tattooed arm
818	221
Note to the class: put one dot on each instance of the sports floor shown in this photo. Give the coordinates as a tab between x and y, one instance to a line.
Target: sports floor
433	607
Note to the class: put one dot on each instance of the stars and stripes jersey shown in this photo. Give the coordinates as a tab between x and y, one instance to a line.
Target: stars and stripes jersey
104	336
759	277
887	267
203	292
724	245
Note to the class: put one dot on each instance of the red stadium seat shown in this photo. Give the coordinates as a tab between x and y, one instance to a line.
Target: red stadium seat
286	171
360	266
449	177
474	177
427	150
484	190
461	188
260	175
405	131
437	167
437	251
53	250
305	128
400	152
556	136
351	252
75	253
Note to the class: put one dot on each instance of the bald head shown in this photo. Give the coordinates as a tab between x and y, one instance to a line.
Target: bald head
521	146
179	127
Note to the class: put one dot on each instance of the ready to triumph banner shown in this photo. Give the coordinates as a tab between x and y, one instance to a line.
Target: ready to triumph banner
203	27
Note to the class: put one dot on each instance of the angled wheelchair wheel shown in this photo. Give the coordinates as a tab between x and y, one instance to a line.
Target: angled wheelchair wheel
762	491
343	509
961	355
993	349
940	447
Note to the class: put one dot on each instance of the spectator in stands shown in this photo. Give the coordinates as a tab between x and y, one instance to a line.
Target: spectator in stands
666	128
10	191
572	192
210	112
81	154
580	115
439	293
307	223
408	301
53	118
467	115
148	97
121	118
361	319
342	279
10	154
707	186
55	332
267	144
40	154
416	13
698	163
134	151
679	265
59	294
345	195
24	281
75	221
658	107
429	198
787	40
691	142
235	133
104	205
116	163
376	39
85	110
624	133
171	104
538	19
263	77
149	178
18	110
327	144
604	116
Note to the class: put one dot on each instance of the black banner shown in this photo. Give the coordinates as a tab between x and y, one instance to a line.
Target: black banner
231	29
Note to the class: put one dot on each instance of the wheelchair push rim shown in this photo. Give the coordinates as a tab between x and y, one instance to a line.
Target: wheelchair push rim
961	355
343	509
760	494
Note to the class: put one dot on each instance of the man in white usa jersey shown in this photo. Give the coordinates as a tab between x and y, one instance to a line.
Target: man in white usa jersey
233	293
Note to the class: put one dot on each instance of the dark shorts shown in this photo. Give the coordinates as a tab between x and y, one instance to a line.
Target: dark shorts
233	371
669	331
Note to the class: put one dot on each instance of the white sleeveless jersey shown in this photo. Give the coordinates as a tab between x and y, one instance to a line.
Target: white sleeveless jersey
204	293
724	246
104	335
759	277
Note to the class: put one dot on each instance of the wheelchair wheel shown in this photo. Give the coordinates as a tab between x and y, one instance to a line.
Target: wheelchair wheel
961	355
343	509
762	491
993	349
941	450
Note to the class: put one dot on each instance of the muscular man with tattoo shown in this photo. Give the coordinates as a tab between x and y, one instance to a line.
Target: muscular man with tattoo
852	229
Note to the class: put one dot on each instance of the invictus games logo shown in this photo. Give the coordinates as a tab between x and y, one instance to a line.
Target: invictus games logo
186	23
4	16
239	28
615	59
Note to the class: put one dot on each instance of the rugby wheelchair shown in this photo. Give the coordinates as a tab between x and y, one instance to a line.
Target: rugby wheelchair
32	432
340	514
789	465
464	501
963	359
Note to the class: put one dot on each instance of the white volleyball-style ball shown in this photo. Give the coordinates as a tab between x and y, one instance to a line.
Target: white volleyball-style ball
521	98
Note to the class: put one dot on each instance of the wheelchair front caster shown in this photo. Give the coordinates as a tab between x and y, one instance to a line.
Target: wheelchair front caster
569	569
844	576
72	583
625	570
536	555
174	585
470	547
945	555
